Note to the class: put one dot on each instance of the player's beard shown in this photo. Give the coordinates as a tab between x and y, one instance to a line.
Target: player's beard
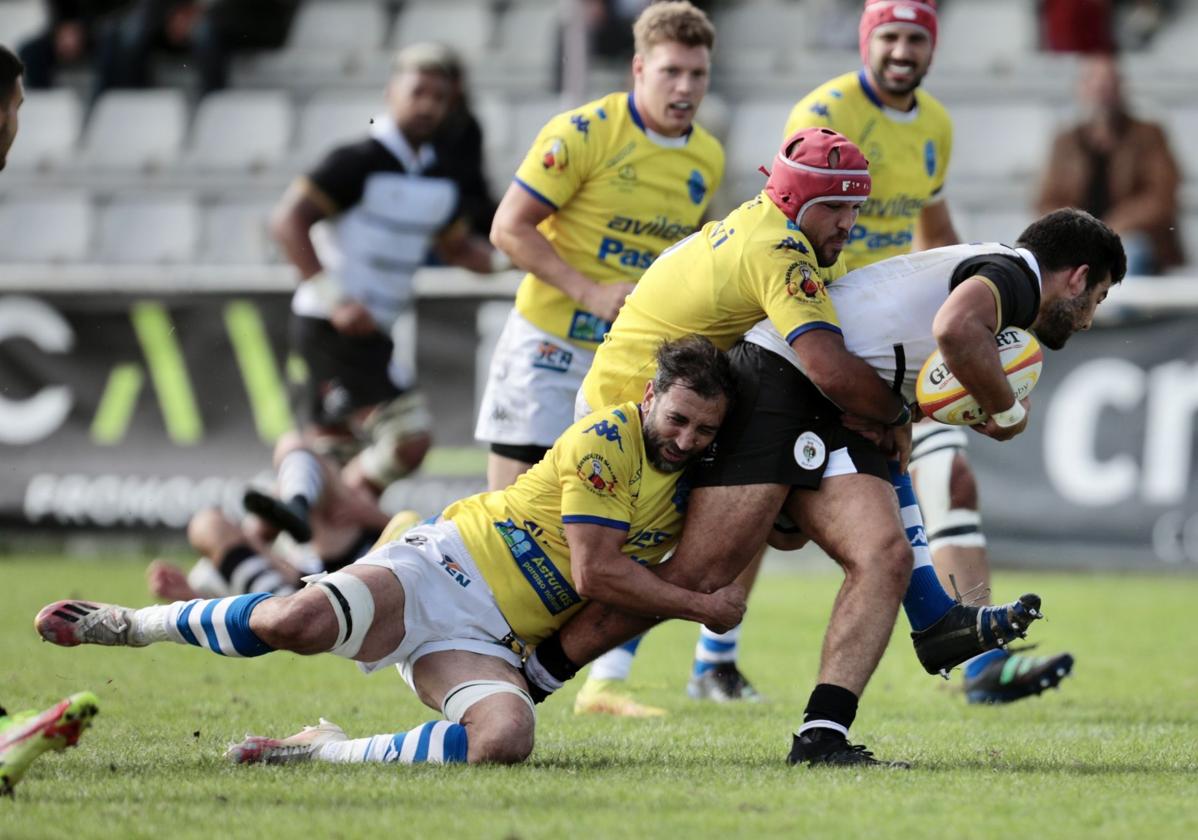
1061	319
655	444
897	88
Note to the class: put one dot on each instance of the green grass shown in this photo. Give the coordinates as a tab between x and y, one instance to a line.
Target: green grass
1113	754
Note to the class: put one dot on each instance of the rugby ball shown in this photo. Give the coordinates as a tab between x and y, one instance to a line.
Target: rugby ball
943	398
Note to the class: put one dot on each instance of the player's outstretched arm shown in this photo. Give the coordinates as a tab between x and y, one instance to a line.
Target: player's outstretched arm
291	225
845	379
602	572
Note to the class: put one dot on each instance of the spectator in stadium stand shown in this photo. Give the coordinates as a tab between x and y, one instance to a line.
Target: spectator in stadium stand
384	201
208	32
1083	26
459	144
69	37
1118	168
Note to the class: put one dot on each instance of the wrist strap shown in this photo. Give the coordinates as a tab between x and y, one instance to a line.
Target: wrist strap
903	418
1013	416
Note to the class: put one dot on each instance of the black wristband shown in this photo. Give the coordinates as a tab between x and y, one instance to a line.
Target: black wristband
554	660
903	418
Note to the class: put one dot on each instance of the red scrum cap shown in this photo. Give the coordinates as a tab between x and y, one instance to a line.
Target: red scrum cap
921	13
813	165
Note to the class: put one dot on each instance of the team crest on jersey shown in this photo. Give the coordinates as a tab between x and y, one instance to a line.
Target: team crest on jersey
929	158
800	279
809	451
697	186
597	474
581	123
554	157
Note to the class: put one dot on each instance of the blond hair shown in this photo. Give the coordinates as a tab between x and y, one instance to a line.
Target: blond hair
675	22
427	57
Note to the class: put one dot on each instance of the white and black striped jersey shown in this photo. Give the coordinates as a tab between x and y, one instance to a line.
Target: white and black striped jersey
386	202
886	309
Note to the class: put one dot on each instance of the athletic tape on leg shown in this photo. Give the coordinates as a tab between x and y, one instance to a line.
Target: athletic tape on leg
354	607
461	697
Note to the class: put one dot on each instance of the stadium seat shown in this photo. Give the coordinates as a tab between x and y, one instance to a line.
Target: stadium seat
20	20
993	225
495	118
752	27
237	129
527	118
346	25
465	25
331	119
985	35
50	124
140	129
755	135
148	229
525	54
1181	127
46	228
1000	141
237	233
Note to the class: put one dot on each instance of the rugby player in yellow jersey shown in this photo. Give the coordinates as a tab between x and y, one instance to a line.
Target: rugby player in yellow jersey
604	189
907	136
455	602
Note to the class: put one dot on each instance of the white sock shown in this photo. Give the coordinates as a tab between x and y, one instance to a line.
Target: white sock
435	742
300	475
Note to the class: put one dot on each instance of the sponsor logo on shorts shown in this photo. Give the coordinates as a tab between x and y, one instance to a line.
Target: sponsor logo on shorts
597	474
454	569
586	326
550	356
810	451
545	578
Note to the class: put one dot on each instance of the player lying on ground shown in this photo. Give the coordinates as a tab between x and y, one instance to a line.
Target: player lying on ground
314	505
455	603
784	443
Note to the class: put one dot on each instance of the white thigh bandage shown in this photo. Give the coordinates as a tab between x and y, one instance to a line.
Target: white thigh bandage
354	607
931	472
461	697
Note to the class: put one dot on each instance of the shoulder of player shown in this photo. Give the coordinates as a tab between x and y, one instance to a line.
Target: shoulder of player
933	110
706	145
598	119
366	153
834	99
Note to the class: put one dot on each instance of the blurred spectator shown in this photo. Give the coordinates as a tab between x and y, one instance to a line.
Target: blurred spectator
68	37
459	144
210	32
1118	168
1084	26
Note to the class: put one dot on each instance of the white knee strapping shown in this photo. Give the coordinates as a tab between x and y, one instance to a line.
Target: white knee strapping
464	695
960	527
354	607
931	473
405	416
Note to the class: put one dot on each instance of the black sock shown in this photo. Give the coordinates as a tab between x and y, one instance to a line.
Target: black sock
244	570
831	703
554	659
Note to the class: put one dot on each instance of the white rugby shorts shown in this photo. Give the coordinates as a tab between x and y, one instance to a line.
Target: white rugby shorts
534	377
447	603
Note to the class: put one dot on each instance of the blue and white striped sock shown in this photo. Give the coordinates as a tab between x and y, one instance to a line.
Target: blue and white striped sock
715	649
616	664
435	742
222	625
925	601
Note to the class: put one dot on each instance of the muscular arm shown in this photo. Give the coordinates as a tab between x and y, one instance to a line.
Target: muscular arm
514	232
845	379
602	572
964	329
934	228
291	226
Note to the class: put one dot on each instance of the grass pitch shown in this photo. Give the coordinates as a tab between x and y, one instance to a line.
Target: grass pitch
1113	754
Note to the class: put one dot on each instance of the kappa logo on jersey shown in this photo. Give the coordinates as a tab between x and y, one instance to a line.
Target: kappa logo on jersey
696	186
549	356
597	474
554	157
608	431
454	569
581	123
791	244
820	110
800	278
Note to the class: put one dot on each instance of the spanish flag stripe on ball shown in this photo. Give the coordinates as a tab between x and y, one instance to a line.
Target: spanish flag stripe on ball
942	397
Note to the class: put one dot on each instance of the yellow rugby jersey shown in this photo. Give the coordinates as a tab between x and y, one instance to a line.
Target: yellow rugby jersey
619	198
753	264
596	473
908	158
